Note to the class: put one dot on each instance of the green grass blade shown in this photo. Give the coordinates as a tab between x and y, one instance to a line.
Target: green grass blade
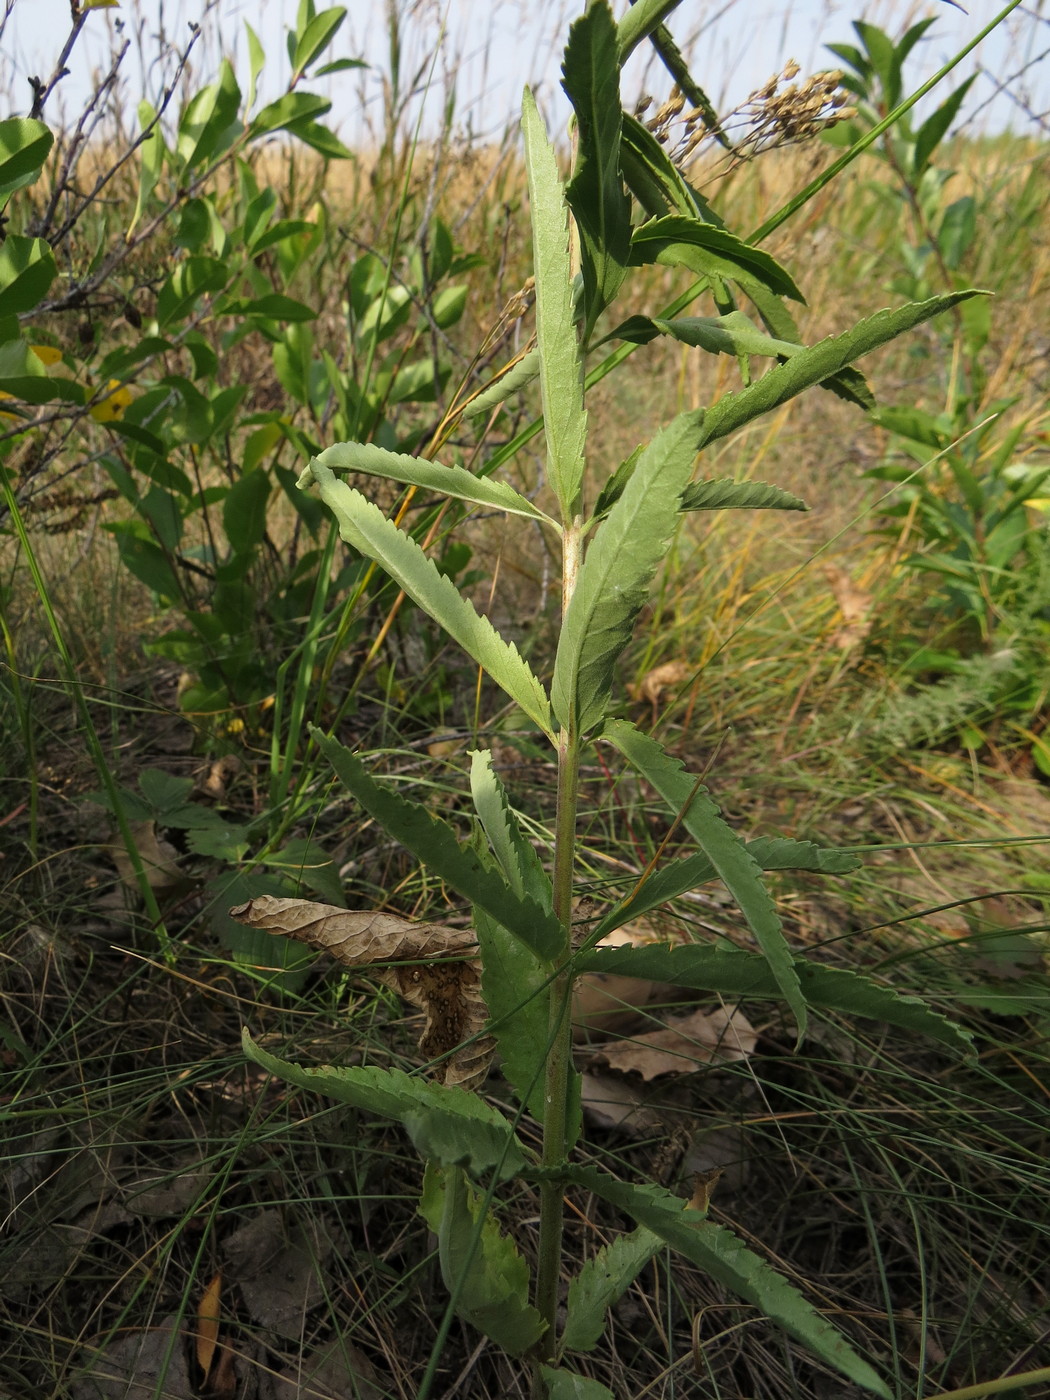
613	583
602	1281
447	1124
726	851
431	476
481	1266
596	195
690	872
728	1260
364	526
747	975
561	369
435	844
820	362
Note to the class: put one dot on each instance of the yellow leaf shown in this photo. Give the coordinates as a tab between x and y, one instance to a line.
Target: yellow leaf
208	1311
100	4
47	354
113	405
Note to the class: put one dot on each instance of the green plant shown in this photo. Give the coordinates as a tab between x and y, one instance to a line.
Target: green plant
613	535
962	516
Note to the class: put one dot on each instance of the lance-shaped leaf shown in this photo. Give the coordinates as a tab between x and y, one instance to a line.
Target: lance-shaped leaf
601	1282
515	855
596	196
364	526
654	179
739	495
481	1266
819	362
725	850
613	583
690	872
430	966
709	251
748	975
25	144
561	371
728	1260
447	1125
733	334
418	471
436	846
518	377
639	21
848	384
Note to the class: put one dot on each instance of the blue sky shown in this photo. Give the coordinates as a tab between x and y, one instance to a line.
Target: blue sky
495	46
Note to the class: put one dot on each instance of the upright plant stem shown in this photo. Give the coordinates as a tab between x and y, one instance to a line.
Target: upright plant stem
559	1056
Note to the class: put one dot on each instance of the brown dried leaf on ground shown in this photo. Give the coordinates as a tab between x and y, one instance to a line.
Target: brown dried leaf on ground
855	605
602	1002
449	992
683	1045
160	860
138	1366
330	1373
655	683
611	1102
278	1267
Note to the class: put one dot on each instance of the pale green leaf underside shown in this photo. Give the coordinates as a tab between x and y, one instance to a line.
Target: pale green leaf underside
450	1124
733	334
365	527
418	471
690	872
561	380
567	1385
726	852
819	362
748	975
435	844
725	494
480	1265
515	855
602	1281
726	1258
613	584
518	377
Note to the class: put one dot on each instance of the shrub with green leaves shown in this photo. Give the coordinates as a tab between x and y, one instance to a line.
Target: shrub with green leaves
630	206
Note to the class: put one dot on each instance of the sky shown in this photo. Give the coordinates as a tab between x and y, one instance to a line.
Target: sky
488	49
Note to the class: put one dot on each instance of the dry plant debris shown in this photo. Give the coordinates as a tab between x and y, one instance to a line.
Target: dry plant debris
430	966
684	1044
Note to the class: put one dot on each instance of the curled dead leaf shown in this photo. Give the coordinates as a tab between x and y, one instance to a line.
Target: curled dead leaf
684	1045
438	971
208	1315
655	683
855	605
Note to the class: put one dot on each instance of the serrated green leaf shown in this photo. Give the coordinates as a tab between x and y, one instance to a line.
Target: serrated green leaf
451	1125
690	872
733	334
728	1260
819	362
431	476
654	179
561	366
364	526
481	1266
595	194
567	1385
436	845
602	1281
613	583
739	495
737	868
747	975
709	251
515	855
